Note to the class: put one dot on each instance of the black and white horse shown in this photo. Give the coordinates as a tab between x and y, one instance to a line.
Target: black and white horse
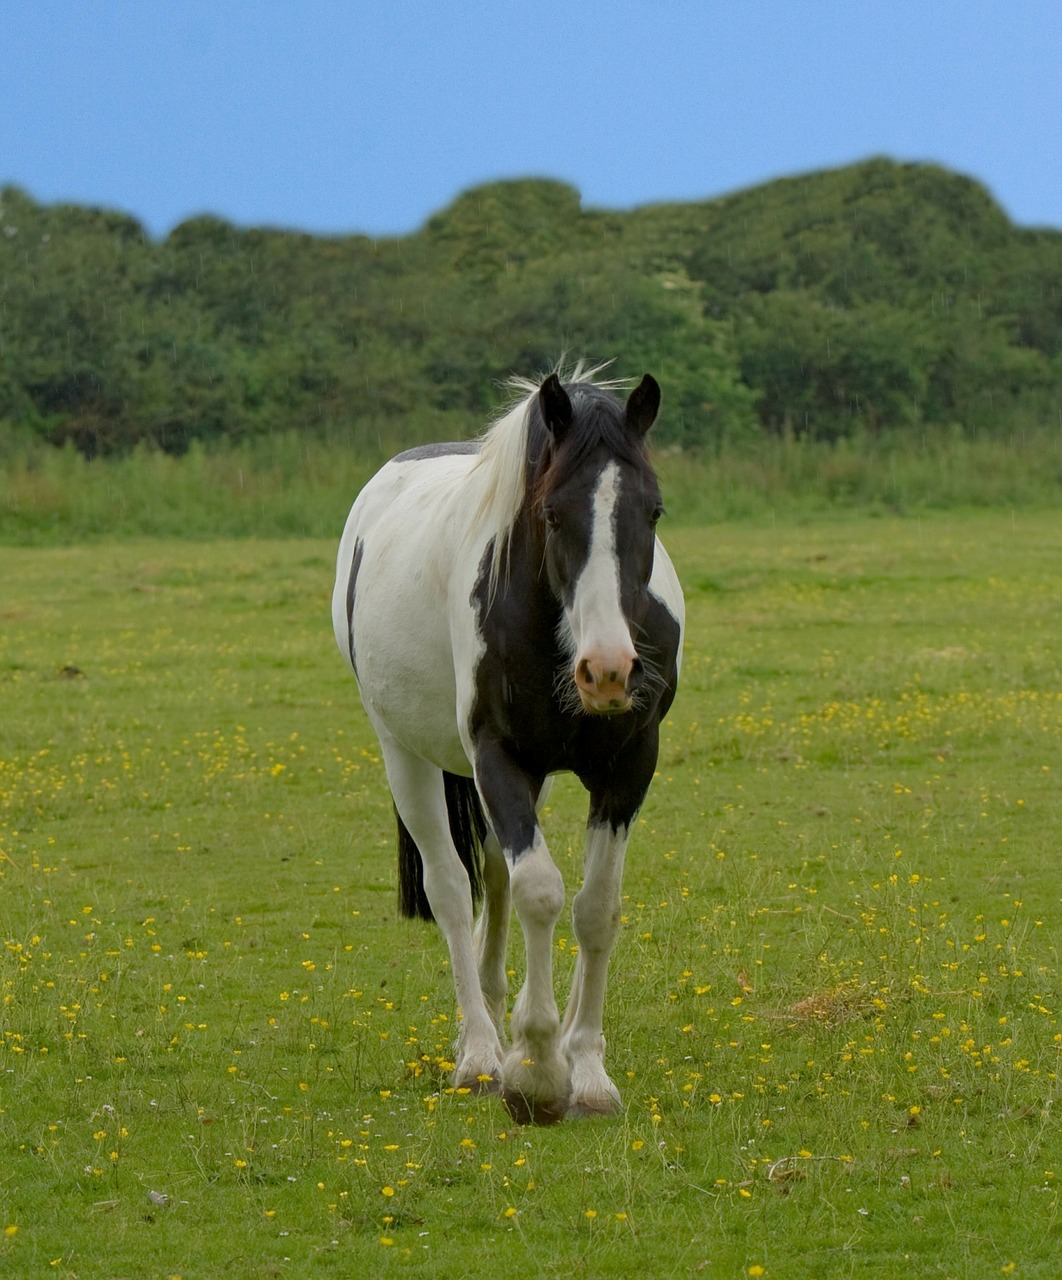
509	613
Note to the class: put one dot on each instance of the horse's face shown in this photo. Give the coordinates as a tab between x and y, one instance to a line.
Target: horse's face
598	511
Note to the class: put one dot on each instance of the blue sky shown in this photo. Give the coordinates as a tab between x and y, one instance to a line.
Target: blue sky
339	117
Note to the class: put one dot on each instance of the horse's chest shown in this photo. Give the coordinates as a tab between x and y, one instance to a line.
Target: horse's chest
520	701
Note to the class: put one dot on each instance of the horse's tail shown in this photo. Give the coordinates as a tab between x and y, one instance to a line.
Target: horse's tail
468	829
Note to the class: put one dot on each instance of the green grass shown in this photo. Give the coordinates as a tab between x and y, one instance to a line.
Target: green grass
287	485
834	1007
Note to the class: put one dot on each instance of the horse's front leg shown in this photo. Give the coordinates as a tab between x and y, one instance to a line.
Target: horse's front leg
595	922
535	1070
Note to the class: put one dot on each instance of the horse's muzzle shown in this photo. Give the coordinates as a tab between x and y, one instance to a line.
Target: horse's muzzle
607	685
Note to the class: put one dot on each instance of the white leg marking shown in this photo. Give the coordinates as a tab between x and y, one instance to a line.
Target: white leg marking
595	920
492	929
417	787
536	1072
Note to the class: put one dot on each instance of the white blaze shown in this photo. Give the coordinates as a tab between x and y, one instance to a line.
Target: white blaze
599	629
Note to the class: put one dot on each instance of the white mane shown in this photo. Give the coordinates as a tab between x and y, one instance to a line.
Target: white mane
503	459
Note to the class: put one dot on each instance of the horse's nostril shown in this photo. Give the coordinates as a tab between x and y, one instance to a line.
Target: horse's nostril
584	677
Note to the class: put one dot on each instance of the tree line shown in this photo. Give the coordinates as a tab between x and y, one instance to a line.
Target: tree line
876	297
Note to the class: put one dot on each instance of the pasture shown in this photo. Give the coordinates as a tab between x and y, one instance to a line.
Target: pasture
834	1006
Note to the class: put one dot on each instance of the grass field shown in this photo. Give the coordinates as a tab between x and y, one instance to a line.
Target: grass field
834	1008
300	485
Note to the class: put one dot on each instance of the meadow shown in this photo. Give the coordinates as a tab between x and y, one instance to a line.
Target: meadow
834	1005
292	484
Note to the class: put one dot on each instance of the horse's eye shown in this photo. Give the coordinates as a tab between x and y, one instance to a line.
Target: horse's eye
551	518
656	512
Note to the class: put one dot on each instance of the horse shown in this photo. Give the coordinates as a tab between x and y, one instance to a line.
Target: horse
509	613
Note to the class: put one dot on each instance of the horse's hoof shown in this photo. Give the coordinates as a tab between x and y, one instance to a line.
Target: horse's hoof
585	1109
525	1110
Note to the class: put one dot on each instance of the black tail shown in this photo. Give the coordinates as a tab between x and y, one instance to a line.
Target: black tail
468	829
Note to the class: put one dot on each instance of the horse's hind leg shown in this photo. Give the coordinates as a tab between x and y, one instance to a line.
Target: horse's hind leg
492	933
420	798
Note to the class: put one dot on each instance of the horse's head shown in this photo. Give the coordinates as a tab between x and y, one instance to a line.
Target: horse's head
596	501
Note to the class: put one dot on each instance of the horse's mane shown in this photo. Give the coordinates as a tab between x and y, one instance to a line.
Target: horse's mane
503	457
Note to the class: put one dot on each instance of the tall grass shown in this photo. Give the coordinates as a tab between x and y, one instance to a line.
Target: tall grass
302	485
278	486
899	472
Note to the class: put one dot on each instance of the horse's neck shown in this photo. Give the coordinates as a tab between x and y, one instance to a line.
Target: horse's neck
527	579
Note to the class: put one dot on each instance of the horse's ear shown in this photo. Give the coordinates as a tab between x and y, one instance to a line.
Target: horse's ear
555	407
643	404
